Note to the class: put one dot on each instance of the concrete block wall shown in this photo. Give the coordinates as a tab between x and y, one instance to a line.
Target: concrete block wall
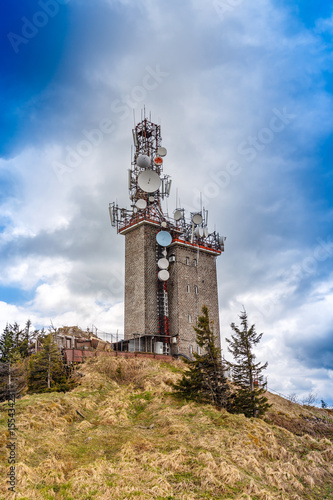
192	284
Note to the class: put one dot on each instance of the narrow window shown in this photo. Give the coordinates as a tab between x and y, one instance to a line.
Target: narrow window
198	350
190	349
189	318
187	261
195	262
195	289
188	288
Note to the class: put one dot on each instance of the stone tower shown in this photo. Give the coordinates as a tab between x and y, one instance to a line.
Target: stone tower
170	262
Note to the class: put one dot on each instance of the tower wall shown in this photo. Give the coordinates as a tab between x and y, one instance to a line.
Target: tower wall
141	281
189	287
185	300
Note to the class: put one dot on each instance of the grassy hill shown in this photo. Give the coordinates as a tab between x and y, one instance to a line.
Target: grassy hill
134	440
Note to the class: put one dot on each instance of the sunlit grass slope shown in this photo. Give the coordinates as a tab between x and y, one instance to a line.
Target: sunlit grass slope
134	440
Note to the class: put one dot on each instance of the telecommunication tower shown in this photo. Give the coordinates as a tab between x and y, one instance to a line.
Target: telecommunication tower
170	262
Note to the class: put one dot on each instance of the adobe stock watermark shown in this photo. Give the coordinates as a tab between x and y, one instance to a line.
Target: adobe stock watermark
225	7
30	27
307	267
93	138
12	441
248	150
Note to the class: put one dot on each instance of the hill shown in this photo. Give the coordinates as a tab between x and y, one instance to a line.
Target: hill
121	435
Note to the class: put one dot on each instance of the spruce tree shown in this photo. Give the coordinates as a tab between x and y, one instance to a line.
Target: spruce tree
14	343
205	381
46	370
246	374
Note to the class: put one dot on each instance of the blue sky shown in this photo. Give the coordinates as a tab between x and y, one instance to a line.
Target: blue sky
244	97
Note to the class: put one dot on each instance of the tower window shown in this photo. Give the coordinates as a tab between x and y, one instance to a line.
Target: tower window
188	288
189	318
195	289
198	350
190	348
187	261
195	262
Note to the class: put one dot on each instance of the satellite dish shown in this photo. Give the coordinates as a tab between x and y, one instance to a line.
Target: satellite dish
163	263
164	253
161	151
164	224
151	198
197	218
163	275
205	232
135	210
149	181
199	232
143	161
158	160
141	204
177	215
164	238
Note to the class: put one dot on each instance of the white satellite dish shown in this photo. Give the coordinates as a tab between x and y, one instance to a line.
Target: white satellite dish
199	232
163	275
161	151
143	161
149	181
164	224
177	215
141	204
135	210
197	218
205	232
151	199
164	238
163	263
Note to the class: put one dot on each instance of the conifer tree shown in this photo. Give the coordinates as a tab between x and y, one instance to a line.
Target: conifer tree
46	369
14	343
205	380
247	375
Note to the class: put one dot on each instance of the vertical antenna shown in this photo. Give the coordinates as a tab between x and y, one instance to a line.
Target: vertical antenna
134	116
176	197
200	202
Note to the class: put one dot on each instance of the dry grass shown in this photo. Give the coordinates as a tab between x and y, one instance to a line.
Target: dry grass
136	441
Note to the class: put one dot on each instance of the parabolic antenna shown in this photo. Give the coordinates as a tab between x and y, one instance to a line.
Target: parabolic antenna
151	199
205	232
163	263
197	218
143	161
141	204
163	275
135	210
161	151
164	238
199	232
177	215
164	224
149	181
158	160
